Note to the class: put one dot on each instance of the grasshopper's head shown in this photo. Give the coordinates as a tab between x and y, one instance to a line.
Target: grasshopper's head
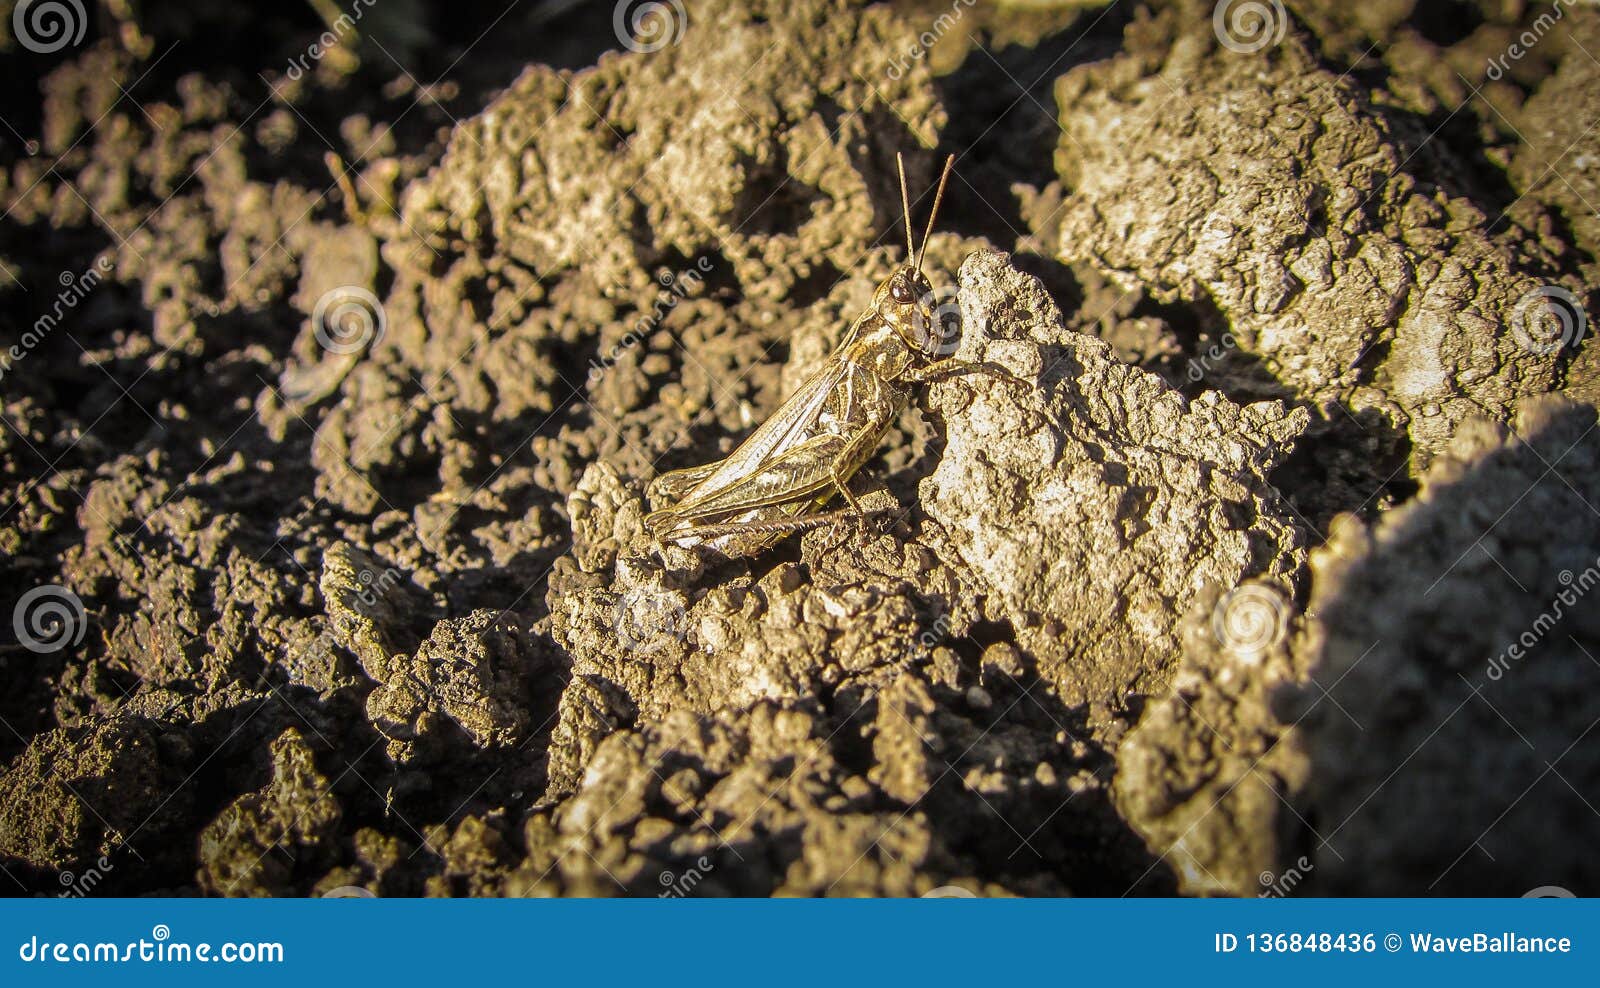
905	300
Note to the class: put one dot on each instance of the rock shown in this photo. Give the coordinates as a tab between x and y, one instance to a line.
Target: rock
1270	187
68	799
259	843
1092	510
1461	626
372	610
472	671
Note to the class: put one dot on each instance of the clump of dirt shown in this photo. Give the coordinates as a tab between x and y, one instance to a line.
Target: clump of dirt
1459	630
347	467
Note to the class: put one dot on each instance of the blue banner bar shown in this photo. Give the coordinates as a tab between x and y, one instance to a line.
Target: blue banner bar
919	941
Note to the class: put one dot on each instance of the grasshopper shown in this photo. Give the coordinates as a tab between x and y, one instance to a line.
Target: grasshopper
775	483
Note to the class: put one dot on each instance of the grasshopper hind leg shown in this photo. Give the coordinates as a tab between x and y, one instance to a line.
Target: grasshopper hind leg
781	526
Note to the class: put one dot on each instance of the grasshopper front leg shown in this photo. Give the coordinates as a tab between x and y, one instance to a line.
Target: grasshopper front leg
954	365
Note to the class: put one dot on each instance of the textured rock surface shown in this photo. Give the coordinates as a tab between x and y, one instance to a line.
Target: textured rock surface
257	842
1464	622
114	769
1205	606
1350	279
1093	519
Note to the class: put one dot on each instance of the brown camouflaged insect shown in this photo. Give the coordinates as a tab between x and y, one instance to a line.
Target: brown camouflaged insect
775	482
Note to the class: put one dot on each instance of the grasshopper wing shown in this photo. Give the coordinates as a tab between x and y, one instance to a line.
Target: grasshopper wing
791	426
674	485
789	478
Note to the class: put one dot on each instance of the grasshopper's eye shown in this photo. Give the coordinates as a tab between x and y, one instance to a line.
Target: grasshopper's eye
900	292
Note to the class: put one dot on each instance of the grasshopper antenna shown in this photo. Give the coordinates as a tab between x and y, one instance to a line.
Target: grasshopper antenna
905	203
937	198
